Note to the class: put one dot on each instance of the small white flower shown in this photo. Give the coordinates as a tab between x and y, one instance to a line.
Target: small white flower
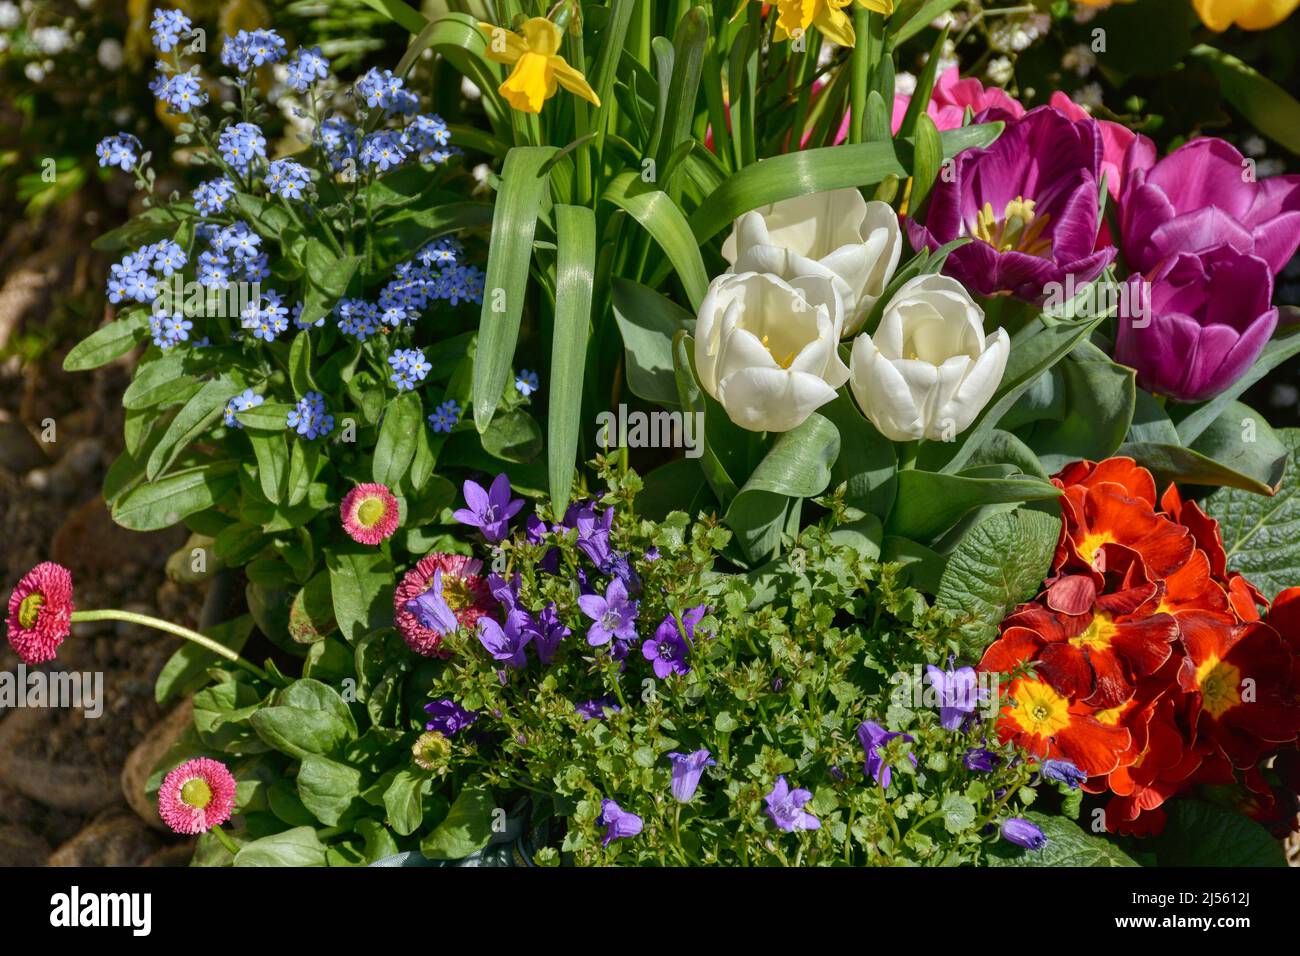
469	90
109	54
929	368
10	16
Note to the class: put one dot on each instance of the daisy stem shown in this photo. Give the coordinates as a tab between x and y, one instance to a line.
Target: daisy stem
224	839
158	624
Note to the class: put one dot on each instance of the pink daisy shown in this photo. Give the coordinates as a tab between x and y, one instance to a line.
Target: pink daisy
464	592
197	796
369	513
40	612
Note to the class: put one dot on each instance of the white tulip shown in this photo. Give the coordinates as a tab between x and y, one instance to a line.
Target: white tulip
767	349
836	234
929	369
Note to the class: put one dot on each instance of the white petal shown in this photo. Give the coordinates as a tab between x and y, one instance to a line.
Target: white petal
773	400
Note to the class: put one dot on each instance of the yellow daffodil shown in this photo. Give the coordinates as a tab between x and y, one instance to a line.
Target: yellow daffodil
794	17
1218	15
538	66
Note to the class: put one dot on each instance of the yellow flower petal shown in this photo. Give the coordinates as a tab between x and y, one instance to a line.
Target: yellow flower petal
503	46
885	7
793	17
542	36
1218	15
573	80
835	25
530	84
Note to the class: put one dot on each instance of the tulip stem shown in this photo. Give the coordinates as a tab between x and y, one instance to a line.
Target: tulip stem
194	637
907	455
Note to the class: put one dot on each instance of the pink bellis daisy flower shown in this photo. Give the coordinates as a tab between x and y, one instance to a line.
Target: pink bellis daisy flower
442	592
369	513
197	796
40	612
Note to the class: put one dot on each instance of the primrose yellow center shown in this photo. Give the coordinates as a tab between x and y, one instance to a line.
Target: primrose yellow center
1090	547
1040	711
1219	683
30	610
1019	229
196	793
370	512
1098	634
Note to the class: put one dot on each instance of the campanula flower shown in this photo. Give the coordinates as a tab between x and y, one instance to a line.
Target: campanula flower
619	824
613	616
1022	832
1062	771
687	769
785	807
958	692
489	510
873	738
448	717
507	643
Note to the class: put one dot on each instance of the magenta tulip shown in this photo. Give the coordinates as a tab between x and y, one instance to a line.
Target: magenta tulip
1198	322
1030	202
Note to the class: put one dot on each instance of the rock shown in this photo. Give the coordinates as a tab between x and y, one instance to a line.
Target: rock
19	846
140	764
116	838
178	855
79	786
67	477
19	451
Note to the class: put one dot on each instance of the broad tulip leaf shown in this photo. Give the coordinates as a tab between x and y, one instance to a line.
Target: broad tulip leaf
574	274
1098	399
867	462
928	503
510	251
1261	535
647	322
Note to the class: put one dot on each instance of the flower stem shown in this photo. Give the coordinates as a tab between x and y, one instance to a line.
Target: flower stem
224	839
158	624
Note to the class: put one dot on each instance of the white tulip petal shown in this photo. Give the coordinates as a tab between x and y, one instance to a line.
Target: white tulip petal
772	400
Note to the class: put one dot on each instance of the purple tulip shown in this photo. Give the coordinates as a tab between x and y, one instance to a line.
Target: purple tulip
686	772
785	807
1030	202
873	737
1203	195
490	511
619	823
1197	323
1021	832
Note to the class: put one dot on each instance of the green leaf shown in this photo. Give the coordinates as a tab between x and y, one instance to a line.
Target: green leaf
1264	104
1198	833
1261	536
647	322
928	503
689	42
719	431
328	278
300	364
958	813
112	341
160	504
196	416
867	462
398	433
272	454
1067	845
927	160
798	466
998	564
404	801
514	436
663	219
328	788
187	669
510	251
1098	399
297	847
575	265
467	828
307	717
361	586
